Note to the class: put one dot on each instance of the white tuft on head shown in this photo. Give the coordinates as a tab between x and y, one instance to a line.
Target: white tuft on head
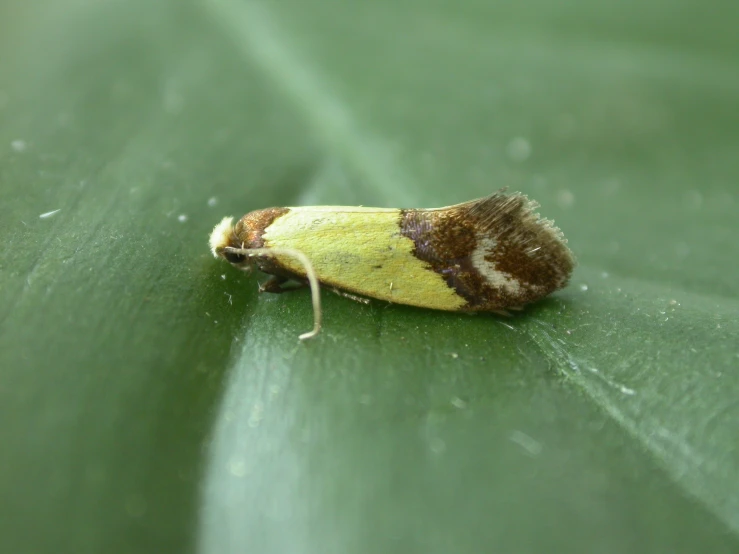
220	236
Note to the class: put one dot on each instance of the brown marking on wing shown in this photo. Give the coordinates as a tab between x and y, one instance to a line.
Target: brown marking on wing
248	233
445	241
525	257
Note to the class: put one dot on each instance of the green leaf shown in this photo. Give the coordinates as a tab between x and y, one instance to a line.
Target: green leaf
152	401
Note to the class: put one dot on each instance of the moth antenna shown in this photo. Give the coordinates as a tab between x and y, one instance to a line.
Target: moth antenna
315	290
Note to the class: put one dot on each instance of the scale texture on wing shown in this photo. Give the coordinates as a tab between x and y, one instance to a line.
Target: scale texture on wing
361	250
495	252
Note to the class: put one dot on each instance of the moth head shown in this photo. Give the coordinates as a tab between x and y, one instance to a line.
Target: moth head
229	238
223	243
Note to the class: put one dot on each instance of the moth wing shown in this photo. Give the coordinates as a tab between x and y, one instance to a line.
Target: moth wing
513	215
495	251
361	251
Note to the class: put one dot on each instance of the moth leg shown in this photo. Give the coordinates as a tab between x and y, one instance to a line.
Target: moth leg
352	296
274	285
502	312
310	273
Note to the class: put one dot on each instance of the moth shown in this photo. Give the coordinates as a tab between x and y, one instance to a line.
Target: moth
492	254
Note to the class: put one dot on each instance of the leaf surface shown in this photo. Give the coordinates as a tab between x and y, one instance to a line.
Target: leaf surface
152	401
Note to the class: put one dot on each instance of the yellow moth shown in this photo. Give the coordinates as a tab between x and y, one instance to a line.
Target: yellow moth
490	254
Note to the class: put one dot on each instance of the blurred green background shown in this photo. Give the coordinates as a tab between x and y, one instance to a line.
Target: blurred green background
151	401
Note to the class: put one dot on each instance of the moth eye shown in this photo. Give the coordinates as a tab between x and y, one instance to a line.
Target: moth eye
234	257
